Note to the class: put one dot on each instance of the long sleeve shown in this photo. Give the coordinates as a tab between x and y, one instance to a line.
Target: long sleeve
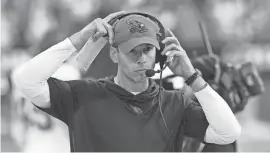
31	78
223	126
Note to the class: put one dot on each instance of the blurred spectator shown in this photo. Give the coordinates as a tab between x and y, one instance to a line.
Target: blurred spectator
29	123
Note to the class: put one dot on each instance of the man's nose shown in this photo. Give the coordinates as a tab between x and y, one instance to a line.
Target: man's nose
141	58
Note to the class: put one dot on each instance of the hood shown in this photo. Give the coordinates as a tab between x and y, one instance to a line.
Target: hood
144	100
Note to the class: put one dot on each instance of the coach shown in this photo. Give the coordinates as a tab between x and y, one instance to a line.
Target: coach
129	111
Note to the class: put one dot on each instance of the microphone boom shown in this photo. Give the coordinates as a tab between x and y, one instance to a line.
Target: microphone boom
150	72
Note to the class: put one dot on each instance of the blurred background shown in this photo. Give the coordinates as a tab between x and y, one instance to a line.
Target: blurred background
239	31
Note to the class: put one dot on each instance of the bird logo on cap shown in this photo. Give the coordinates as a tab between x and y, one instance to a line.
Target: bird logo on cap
136	26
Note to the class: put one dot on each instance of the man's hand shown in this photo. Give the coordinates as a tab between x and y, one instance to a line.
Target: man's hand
96	29
179	62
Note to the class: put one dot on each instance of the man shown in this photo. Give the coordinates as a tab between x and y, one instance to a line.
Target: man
123	113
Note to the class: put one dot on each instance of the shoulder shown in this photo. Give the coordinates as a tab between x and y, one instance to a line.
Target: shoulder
80	86
88	86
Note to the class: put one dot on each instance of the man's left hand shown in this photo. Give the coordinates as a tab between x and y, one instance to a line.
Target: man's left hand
179	62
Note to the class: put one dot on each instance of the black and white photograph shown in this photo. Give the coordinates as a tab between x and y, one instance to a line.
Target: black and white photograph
135	76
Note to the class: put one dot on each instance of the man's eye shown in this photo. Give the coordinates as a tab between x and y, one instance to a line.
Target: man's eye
148	48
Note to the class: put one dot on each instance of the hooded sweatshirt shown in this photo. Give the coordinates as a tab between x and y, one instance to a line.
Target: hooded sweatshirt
101	117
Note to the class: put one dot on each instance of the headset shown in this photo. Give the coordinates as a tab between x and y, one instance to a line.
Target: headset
159	58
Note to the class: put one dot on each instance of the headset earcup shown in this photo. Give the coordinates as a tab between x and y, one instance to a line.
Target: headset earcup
157	56
160	58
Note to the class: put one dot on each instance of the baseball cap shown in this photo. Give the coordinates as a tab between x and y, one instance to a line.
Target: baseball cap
134	30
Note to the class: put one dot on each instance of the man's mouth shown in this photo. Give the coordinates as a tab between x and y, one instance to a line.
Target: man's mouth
141	70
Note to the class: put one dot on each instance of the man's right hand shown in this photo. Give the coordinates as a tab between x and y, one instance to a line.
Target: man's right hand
96	29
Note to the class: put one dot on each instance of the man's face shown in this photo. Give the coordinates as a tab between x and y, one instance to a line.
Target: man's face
135	62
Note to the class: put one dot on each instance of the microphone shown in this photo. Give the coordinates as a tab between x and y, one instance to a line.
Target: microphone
150	73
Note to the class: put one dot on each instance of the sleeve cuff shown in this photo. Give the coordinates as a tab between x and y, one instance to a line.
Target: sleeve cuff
69	44
206	89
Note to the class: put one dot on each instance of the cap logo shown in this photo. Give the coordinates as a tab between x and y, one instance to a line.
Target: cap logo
136	26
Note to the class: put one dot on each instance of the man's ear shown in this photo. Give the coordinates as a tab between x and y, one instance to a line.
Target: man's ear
113	54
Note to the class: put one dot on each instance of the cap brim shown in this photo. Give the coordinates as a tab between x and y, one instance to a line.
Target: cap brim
132	43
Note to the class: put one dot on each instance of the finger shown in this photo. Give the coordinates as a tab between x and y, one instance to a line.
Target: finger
170	56
101	31
114	15
90	29
169	48
109	31
97	35
169	40
173	54
169	33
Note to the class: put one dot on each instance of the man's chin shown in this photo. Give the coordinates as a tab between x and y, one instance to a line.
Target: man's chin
141	78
